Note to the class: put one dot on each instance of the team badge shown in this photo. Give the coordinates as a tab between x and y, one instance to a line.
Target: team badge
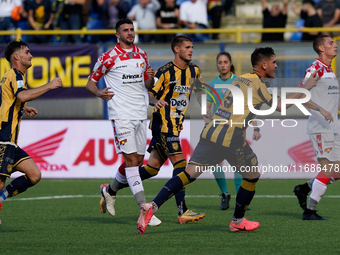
9	168
123	142
328	149
175	146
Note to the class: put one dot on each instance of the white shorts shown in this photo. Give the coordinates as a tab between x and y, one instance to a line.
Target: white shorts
130	136
326	145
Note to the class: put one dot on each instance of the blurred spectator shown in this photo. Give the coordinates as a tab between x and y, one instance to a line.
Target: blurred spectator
275	18
70	17
329	12
116	10
215	10
227	6
40	17
309	14
167	17
193	15
6	21
144	14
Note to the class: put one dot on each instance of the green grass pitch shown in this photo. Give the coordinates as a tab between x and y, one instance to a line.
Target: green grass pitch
60	216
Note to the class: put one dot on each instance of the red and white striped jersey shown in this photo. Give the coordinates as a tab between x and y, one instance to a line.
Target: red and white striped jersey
124	71
326	95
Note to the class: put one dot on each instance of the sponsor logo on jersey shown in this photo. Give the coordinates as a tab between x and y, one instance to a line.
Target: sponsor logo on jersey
131	76
182	89
172	82
333	87
172	139
123	66
181	102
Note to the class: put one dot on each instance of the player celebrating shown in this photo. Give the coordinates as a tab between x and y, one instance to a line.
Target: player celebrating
170	96
323	134
14	95
221	141
127	75
227	76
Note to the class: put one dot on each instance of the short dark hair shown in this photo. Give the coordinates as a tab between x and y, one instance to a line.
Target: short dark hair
12	46
260	54
227	54
308	2
121	22
318	41
178	40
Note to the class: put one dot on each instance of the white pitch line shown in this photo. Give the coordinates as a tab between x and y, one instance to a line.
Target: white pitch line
130	196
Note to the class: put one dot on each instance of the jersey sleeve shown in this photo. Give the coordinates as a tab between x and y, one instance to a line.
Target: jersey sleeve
145	56
17	83
101	67
159	84
309	71
265	92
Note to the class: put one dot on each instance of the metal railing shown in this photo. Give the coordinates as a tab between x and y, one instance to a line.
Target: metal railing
237	31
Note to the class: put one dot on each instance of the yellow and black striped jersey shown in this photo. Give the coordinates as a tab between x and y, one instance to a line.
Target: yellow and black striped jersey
173	85
12	83
227	128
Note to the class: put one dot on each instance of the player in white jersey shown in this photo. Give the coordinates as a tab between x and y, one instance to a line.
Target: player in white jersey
323	132
128	76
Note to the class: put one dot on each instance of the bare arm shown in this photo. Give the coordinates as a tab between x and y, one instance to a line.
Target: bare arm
256	134
150	81
49	22
208	116
335	19
31	94
264	4
31	20
105	94
295	8
285	7
328	116
155	102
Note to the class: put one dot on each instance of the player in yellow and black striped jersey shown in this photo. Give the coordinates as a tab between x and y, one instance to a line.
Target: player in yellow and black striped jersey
226	142
173	85
14	95
231	133
11	85
170	96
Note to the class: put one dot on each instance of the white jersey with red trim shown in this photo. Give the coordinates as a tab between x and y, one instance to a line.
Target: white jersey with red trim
326	95
124	72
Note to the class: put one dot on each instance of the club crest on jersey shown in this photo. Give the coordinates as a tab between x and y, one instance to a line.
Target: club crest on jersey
123	142
328	149
140	65
175	146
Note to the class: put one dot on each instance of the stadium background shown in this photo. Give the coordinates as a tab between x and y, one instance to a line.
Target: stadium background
85	150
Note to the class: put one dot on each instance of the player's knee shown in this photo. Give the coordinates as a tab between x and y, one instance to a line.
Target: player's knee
34	176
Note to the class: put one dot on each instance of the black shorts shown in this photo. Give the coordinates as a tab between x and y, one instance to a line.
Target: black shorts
208	153
165	144
10	157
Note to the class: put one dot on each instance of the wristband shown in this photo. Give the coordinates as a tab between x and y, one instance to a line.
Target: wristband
317	108
256	129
